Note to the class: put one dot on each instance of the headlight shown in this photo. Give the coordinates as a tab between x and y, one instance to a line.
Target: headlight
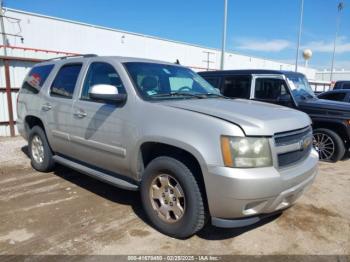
246	152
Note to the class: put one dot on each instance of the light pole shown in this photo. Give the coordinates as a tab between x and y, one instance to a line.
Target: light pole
224	37
299	34
340	8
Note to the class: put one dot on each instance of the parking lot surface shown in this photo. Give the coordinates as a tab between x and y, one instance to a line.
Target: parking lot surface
65	212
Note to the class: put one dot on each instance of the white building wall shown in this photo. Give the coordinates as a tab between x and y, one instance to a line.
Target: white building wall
337	75
48	33
45	32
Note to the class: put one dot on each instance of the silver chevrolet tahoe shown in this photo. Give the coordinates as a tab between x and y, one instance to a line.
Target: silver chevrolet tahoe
160	128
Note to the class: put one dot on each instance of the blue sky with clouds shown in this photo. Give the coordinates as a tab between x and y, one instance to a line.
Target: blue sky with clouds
263	28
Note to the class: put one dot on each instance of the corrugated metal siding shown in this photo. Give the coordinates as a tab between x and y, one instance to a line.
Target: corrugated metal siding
18	70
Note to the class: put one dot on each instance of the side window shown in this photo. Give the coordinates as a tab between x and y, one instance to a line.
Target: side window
334	96
238	87
101	73
36	78
346	86
270	88
215	82
65	81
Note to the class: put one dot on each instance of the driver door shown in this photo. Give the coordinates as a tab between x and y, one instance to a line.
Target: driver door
99	125
272	90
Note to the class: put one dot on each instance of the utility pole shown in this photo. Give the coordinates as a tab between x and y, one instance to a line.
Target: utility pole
208	61
224	37
340	8
299	34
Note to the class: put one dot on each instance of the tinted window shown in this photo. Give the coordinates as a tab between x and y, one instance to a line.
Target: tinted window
238	87
215	82
346	86
101	73
36	78
269	88
65	81
334	96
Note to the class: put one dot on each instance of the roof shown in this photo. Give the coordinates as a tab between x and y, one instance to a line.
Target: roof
342	81
248	72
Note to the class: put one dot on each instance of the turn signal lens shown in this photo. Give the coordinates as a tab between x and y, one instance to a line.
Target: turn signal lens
226	151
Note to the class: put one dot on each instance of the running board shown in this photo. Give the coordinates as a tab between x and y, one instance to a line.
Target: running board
96	174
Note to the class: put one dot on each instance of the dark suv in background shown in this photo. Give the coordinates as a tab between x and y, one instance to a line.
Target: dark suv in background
331	119
342	85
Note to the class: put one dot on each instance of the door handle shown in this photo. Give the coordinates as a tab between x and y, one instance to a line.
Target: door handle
80	114
46	107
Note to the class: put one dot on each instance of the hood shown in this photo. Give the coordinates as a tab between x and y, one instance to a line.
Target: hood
255	118
325	107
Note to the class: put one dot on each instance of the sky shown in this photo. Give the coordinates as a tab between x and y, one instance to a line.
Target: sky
261	28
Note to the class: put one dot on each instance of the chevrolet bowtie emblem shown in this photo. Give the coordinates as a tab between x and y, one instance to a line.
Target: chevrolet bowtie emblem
305	143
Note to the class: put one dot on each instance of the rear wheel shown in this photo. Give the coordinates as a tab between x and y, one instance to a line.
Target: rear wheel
172	198
329	145
39	150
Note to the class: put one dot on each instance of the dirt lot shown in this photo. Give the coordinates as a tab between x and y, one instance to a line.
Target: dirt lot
65	212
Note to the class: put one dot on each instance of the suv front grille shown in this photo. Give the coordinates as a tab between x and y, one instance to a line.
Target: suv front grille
293	146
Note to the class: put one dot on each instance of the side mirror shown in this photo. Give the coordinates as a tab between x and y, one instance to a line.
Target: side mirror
107	93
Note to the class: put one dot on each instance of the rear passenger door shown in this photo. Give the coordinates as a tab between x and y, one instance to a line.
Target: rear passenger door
57	107
99	125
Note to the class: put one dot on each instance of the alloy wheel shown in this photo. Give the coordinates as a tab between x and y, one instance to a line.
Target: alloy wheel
167	198
324	145
37	148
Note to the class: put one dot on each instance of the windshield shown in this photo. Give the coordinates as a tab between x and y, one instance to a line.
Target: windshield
300	87
159	81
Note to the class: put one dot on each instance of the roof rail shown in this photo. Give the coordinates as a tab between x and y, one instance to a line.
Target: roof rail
71	56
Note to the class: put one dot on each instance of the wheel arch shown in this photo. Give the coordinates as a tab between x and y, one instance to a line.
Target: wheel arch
30	121
336	127
151	149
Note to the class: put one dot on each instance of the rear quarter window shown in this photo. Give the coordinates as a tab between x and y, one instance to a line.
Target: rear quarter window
36	78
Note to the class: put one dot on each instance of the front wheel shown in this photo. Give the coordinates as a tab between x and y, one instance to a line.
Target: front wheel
172	198
328	144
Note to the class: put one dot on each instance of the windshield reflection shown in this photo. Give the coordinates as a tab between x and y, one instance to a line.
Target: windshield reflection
301	90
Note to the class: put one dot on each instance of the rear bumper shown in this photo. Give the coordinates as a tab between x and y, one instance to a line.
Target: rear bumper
243	194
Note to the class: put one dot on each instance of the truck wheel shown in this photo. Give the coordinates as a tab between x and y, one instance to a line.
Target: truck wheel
329	145
39	150
172	198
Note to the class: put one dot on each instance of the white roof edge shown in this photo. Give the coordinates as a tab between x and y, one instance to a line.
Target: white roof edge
136	34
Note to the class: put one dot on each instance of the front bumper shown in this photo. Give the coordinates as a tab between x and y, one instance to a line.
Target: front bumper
240	195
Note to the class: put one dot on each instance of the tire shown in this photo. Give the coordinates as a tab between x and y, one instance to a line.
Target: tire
179	175
333	148
41	159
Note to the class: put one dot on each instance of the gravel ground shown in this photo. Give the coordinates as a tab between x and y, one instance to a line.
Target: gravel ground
65	212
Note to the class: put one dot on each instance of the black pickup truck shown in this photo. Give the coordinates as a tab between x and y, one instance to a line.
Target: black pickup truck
331	119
